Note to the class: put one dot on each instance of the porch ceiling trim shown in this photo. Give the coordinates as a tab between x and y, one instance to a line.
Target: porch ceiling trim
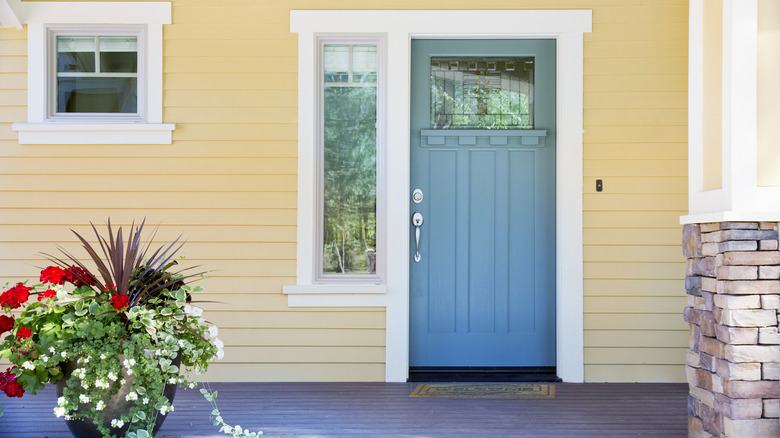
11	13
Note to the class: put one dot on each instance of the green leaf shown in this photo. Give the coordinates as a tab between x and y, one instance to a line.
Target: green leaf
173	369
1	411
142	433
94	308
146	322
140	416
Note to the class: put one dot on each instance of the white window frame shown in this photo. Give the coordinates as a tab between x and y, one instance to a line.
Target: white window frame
351	279
54	31
41	19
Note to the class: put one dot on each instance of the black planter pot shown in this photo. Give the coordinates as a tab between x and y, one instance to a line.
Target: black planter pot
115	407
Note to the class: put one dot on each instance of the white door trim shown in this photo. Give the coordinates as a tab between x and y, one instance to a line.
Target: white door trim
567	27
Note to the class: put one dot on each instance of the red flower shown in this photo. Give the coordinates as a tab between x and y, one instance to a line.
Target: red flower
78	276
15	297
23	333
50	293
109	287
6	323
54	275
120	301
9	385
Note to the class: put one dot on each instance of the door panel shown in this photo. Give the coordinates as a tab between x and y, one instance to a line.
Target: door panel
483	292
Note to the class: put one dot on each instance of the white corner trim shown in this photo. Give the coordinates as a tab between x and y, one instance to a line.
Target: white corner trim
343	289
11	13
94	133
740	198
37	16
567	27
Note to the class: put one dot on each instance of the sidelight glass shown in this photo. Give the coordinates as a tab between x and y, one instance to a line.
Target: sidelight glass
482	92
349	159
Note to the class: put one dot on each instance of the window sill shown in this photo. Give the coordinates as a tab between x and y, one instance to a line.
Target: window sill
94	133
340	289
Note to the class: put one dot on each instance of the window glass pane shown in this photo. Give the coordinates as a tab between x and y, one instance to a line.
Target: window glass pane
482	92
118	54
336	63
75	54
96	95
349	177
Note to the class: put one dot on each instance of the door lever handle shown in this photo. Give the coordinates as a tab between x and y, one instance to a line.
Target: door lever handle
417	221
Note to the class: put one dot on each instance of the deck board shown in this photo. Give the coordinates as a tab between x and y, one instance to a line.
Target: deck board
302	410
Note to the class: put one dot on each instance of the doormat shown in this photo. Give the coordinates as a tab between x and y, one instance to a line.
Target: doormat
485	390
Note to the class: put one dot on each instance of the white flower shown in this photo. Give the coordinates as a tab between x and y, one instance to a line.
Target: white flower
44	358
117	423
122	382
213	331
52	350
28	365
172	380
102	356
218	343
220	354
165	409
64	353
112	377
131	396
197	311
191	385
59	411
61	401
83	398
100	405
146	401
100	383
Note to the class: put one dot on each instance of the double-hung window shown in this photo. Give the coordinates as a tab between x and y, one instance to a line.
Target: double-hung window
96	73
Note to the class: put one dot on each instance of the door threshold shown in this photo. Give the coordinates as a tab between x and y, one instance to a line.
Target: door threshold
483	374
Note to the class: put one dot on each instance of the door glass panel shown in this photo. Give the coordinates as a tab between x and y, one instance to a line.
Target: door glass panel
482	92
349	161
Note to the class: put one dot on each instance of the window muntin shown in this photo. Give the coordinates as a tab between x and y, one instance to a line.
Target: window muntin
96	73
348	223
482	92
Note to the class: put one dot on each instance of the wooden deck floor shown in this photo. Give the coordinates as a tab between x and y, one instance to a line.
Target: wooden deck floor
385	410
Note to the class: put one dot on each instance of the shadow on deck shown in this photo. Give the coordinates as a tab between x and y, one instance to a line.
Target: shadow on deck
385	410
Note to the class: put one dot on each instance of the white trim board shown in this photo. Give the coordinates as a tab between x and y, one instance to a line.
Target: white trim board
10	13
567	27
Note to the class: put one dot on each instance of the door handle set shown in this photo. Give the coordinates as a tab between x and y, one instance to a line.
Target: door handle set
417	221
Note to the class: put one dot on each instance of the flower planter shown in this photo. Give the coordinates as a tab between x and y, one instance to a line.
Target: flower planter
115	407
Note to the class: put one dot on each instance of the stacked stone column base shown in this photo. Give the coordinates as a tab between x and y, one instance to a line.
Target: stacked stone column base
733	361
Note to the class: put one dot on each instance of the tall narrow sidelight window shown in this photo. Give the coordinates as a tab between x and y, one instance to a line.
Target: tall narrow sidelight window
349	161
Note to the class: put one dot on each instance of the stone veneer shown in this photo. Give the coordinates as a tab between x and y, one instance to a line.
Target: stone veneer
733	361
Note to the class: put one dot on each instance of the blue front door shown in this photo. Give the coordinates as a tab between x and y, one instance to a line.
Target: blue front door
482	289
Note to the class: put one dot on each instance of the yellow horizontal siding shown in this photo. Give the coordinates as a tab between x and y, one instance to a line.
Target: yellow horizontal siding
634	321
301	372
608	287
637	338
228	184
635	141
635	373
